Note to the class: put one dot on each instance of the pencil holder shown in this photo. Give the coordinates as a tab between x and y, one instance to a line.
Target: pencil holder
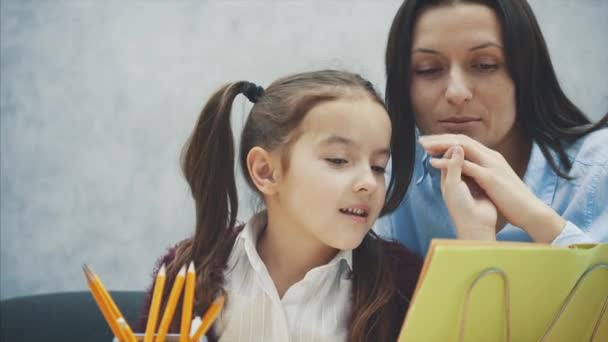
168	338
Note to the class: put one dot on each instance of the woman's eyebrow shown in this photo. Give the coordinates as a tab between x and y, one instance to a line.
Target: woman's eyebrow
476	47
485	45
425	50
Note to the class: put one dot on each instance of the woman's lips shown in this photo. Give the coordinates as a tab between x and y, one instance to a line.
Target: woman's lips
459	119
455	124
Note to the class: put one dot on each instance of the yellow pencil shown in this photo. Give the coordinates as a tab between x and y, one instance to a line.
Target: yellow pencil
171	303
126	329
127	334
159	286
184	334
104	307
208	319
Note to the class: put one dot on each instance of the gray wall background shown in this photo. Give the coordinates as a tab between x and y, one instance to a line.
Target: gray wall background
97	98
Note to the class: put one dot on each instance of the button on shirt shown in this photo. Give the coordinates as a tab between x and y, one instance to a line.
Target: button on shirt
316	308
582	202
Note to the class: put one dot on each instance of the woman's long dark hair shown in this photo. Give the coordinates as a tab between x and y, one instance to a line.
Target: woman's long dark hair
208	165
544	112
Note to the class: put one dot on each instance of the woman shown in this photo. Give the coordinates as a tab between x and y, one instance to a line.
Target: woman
476	79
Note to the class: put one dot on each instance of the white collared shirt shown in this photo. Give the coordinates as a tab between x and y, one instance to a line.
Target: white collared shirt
316	308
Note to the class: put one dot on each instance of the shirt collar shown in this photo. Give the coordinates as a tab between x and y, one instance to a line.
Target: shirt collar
423	164
248	237
343	257
253	228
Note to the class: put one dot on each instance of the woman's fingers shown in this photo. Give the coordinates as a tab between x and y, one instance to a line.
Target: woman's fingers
451	174
454	168
472	212
479	173
444	171
439	144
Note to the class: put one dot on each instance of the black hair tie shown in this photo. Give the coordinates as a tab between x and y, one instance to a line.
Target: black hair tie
253	91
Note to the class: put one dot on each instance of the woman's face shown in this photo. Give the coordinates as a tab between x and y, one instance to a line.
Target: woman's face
460	83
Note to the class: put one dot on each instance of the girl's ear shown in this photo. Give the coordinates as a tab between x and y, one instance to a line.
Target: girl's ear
264	170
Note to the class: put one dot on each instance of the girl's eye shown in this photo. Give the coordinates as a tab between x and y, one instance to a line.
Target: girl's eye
485	67
336	161
379	169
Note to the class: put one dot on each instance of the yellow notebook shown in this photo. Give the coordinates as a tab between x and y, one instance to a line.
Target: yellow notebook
491	291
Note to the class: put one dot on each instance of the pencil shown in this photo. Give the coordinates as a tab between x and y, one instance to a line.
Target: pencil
208	318
126	329
171	303
184	333
105	309
159	286
127	334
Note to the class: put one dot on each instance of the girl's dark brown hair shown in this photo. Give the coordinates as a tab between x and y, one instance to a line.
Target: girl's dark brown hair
544	112
208	166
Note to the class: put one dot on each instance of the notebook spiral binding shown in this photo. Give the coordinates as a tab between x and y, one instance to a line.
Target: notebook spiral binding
569	299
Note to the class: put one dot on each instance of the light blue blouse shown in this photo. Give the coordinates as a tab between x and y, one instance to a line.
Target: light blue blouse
582	202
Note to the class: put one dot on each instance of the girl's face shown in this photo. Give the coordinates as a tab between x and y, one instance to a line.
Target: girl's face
460	83
334	188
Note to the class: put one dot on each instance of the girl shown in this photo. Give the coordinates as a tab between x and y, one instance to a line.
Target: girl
307	268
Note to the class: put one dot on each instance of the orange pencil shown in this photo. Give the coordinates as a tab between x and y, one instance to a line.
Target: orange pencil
159	286
127	334
176	291
184	334
126	329
104	307
208	318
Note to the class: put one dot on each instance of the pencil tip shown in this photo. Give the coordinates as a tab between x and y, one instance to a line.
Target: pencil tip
182	271
87	272
191	267
162	270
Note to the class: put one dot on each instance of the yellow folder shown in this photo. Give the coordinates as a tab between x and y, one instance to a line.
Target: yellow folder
499	291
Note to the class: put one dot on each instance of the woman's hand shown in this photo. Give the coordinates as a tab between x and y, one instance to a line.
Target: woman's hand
502	185
471	210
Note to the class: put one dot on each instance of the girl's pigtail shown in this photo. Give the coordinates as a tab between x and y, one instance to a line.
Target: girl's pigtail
208	166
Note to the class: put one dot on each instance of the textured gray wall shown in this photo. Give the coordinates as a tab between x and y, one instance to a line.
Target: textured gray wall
97	99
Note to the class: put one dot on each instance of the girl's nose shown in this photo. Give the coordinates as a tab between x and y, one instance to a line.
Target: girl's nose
366	181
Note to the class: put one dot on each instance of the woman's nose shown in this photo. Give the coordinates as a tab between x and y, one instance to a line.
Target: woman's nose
458	91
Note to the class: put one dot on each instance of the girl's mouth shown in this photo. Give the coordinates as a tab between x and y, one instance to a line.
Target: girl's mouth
355	212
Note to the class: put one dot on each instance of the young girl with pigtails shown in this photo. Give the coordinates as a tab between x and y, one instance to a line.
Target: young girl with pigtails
308	267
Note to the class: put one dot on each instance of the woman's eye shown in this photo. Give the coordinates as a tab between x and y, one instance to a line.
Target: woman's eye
485	67
336	161
427	71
